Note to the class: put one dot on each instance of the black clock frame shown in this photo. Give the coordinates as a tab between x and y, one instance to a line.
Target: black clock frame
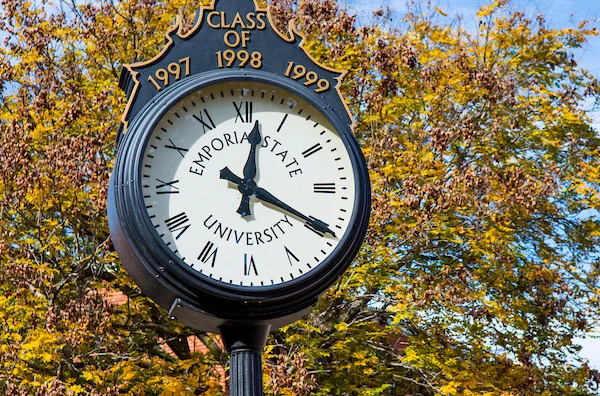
193	298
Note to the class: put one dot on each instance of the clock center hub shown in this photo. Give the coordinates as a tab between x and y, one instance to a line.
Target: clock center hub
247	187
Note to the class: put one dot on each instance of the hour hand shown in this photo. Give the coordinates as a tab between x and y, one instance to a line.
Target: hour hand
246	188
227	174
316	224
244	208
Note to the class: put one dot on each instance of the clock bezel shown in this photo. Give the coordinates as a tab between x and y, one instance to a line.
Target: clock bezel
156	265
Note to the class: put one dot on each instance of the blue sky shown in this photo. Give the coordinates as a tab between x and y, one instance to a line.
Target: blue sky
558	14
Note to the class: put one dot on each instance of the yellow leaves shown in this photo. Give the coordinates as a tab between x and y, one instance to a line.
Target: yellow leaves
46	357
90	376
128	371
342	326
403	312
174	388
503	228
33	344
41	346
76	389
360	357
487	10
435	249
571	116
450	388
410	355
439	10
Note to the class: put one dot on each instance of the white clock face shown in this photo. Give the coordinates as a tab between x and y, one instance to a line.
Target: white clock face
248	184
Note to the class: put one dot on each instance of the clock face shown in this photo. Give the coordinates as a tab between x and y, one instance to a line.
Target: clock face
248	184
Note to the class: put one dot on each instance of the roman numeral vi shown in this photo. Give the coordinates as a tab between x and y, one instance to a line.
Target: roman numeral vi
249	266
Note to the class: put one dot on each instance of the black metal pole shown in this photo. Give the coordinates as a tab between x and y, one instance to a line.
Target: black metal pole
245	344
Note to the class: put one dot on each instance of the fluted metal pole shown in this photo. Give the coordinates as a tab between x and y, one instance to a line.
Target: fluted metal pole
245	343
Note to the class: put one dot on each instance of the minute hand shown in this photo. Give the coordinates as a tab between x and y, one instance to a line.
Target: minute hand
317	224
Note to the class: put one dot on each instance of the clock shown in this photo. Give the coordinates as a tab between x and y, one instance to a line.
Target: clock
238	196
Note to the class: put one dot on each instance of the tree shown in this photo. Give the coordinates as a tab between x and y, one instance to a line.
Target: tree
60	334
483	245
481	262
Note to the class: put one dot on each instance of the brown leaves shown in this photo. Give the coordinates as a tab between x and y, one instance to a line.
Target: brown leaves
477	234
290	374
481	251
60	106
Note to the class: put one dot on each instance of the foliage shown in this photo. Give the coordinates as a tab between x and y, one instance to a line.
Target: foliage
60	334
481	262
483	247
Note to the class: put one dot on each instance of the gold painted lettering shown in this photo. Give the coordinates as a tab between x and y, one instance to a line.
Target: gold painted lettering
251	21
228	39
261	24
297	72
210	20
224	25
238	20
173	70
245	38
250	24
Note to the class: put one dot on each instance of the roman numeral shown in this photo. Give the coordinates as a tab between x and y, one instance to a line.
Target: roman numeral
249	266
325	188
166	186
205	126
291	256
208	253
180	150
312	150
282	122
246	107
178	223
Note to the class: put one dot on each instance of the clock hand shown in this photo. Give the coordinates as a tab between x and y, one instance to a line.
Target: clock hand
254	139
244	186
228	175
264	195
247	185
317	224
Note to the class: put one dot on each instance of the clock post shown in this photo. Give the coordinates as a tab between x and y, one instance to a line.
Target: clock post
245	343
239	194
